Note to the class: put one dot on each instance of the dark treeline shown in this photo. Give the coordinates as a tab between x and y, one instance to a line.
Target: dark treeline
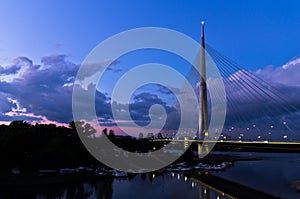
42	146
47	146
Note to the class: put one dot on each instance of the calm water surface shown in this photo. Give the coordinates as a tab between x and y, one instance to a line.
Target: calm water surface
272	174
168	185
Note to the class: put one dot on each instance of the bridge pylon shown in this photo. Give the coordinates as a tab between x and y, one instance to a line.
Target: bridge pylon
203	107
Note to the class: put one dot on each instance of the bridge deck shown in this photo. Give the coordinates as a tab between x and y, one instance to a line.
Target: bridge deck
259	146
230	141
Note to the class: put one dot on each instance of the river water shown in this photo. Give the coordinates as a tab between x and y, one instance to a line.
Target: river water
272	175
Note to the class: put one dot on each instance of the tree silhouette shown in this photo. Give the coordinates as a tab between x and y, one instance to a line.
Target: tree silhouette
82	127
104	131
47	146
111	134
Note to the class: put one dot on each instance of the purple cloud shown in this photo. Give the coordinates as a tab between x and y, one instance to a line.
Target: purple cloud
267	97
9	70
41	89
286	75
46	90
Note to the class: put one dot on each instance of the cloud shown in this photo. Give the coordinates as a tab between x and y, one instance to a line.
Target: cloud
23	61
9	70
5	118
42	90
292	63
268	97
142	102
53	60
139	109
44	93
96	67
17	104
5	104
167	91
13	71
286	75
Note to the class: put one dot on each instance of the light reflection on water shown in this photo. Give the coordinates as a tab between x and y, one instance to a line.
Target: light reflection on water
271	174
167	185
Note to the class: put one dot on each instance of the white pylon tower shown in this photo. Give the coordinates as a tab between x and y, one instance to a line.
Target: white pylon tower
203	107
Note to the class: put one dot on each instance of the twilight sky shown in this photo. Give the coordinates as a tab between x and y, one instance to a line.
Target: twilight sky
42	44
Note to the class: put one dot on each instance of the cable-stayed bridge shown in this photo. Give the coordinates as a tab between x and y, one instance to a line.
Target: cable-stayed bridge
260	113
256	109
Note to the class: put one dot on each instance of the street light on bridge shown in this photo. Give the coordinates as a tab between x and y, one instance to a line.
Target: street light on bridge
270	135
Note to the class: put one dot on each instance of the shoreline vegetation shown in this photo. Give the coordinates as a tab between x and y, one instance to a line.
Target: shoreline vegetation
29	148
44	154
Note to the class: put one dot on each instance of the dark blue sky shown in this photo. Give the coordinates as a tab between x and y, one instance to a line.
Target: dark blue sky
253	33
